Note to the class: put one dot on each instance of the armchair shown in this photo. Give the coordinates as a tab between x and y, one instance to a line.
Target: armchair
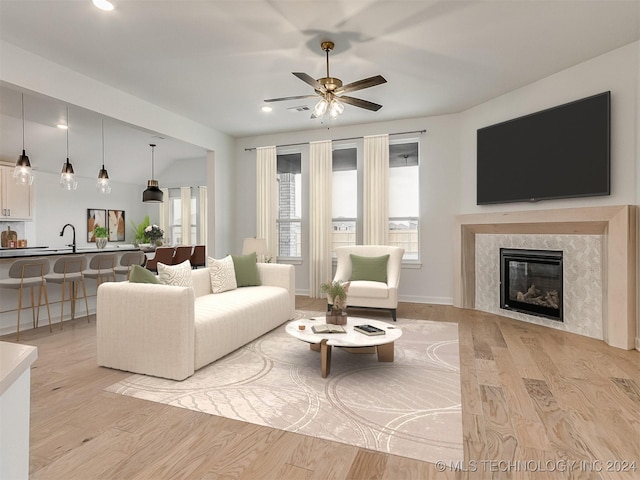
370	293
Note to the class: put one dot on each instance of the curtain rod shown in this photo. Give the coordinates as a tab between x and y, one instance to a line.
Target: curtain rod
336	140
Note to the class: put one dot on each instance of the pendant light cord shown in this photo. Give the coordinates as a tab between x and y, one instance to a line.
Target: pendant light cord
23	122
103	143
67	134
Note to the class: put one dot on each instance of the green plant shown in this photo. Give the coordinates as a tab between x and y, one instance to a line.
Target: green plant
101	232
337	291
139	230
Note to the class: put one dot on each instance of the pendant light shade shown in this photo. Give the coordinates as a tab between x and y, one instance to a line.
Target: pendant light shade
102	184
152	193
23	174
67	176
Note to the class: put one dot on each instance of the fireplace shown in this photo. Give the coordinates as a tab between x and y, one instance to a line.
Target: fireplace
531	282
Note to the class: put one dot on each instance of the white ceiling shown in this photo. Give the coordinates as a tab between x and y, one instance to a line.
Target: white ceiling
215	61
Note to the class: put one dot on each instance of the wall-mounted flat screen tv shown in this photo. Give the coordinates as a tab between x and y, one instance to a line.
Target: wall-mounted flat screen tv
561	152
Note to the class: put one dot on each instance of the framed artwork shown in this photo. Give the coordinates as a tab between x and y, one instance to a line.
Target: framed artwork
95	218
116	225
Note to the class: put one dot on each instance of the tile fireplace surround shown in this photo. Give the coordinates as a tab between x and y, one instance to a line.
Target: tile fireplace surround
616	225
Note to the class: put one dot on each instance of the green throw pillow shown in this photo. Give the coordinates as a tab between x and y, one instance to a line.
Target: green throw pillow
246	268
373	269
140	274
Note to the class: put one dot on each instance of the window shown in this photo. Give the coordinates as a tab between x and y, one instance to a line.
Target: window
174	233
345	197
289	168
404	198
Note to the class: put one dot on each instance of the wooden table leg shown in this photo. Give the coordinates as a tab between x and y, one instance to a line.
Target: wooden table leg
325	358
386	352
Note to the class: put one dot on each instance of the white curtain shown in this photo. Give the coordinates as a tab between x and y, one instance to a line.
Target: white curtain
202	220
376	190
267	198
163	213
320	195
185	227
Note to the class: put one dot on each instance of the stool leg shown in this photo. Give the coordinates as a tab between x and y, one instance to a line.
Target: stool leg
33	310
19	308
46	299
64	288
86	303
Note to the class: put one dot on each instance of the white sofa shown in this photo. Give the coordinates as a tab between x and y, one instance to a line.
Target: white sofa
170	332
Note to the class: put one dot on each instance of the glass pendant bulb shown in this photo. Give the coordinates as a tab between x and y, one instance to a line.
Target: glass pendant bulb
336	108
22	174
102	184
67	176
320	108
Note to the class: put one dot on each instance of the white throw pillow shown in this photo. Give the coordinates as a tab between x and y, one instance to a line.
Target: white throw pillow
176	275
223	274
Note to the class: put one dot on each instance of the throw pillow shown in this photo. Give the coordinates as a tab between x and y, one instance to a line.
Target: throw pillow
176	275
223	274
246	268
373	269
139	274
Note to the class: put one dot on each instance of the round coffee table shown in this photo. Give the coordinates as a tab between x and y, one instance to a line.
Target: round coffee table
352	340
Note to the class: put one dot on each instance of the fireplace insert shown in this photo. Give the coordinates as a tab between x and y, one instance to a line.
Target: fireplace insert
531	282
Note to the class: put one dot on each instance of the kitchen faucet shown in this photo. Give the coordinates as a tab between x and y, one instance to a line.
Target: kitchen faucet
72	245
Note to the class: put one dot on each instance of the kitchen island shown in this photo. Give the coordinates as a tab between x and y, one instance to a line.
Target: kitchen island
9	297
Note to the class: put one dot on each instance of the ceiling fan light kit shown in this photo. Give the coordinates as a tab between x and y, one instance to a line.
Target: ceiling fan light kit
331	90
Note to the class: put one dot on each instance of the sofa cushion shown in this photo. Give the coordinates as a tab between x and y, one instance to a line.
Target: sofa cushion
367	289
176	275
373	269
223	275
139	274
246	270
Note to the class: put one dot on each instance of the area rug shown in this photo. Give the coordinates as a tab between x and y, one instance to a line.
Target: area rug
410	407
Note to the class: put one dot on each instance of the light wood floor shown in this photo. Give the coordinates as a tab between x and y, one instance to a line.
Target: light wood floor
529	394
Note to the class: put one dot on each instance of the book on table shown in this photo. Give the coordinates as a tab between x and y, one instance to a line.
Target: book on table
328	328
369	330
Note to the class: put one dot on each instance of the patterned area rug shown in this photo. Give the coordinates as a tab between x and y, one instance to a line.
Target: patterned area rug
410	407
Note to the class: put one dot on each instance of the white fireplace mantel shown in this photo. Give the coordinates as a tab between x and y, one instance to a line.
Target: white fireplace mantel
617	225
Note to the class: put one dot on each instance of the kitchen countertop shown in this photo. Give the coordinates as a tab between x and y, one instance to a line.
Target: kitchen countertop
47	251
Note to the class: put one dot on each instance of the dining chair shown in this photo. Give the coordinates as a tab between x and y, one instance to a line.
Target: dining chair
163	255
199	256
182	253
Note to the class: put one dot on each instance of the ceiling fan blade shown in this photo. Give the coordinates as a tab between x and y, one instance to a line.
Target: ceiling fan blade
358	102
310	80
297	97
361	84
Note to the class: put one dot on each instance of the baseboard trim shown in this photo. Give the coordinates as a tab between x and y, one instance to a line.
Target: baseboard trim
638	343
421	299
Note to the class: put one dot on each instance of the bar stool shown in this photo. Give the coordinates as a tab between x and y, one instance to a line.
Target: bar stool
101	266
68	270
181	254
198	257
29	273
127	260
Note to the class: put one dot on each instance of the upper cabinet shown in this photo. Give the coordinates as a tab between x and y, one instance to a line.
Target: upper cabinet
16	201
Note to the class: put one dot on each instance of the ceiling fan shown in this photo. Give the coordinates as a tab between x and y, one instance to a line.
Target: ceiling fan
331	90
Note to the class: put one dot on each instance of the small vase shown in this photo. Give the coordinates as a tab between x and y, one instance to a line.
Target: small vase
101	242
337	317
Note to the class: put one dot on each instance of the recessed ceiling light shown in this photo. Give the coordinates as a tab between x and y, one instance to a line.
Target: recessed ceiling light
266	108
62	126
103	5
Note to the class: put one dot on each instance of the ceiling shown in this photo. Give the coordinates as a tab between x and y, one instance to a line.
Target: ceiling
215	61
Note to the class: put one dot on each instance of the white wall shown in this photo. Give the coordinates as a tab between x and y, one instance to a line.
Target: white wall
439	173
616	71
55	207
448	168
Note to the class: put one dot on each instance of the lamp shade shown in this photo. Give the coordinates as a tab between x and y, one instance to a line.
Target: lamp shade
252	244
152	194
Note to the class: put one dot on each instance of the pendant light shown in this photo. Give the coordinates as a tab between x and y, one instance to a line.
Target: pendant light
152	193
102	185
67	176
22	173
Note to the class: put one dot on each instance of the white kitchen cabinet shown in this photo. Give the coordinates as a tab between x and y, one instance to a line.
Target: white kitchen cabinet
16	201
